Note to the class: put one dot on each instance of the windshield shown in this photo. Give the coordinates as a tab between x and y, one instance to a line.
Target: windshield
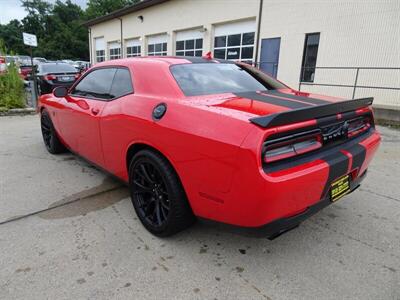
57	68
218	78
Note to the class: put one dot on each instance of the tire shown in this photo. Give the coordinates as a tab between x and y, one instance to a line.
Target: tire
157	194
50	138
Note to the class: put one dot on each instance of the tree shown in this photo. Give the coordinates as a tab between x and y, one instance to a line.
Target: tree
59	27
97	8
64	27
11	34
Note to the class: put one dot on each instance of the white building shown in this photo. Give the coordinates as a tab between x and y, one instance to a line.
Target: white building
287	38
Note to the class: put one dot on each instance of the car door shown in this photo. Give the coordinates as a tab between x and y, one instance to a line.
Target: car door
84	109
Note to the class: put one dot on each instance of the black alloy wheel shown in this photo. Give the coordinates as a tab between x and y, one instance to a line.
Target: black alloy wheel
151	194
50	138
157	194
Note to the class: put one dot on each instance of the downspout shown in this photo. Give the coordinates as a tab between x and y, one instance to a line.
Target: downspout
90	46
258	31
122	40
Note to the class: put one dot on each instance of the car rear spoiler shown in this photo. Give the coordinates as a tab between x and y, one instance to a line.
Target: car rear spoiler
308	113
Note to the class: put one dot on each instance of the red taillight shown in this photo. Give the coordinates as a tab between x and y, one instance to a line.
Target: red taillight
286	147
358	126
77	76
50	77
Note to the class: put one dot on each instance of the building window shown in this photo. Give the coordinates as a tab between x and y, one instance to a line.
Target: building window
115	53
133	51
99	47
192	47
100	55
310	52
235	46
157	49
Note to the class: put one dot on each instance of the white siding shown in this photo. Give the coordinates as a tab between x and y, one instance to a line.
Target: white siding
353	33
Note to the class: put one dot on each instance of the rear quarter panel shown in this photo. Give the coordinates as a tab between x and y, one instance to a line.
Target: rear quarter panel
205	157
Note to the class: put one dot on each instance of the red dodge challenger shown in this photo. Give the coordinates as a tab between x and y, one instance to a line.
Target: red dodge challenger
215	139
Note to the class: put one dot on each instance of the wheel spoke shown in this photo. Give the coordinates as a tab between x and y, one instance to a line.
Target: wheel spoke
142	187
164	205
164	214
158	214
145	174
149	208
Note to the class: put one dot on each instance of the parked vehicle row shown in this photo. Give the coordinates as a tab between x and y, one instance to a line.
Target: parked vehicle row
24	63
50	74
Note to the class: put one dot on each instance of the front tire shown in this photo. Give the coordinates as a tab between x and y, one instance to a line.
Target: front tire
157	194
50	138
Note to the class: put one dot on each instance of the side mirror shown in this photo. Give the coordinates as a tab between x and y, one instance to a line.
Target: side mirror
60	91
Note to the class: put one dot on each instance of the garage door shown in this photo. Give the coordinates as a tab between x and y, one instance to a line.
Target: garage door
235	41
157	45
189	43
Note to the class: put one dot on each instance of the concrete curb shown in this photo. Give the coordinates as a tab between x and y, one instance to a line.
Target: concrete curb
18	112
387	115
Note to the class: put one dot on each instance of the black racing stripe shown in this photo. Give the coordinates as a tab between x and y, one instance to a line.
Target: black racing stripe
359	153
300	98
272	100
338	165
330	120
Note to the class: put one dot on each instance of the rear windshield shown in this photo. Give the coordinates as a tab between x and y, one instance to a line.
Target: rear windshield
218	78
57	68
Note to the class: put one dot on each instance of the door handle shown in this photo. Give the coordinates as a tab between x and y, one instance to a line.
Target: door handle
95	111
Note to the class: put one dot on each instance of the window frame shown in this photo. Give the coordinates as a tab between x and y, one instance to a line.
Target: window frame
184	50
103	57
303	61
101	99
240	46
158	53
136	54
114	56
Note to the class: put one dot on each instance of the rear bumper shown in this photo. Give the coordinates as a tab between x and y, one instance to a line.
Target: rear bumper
280	226
275	201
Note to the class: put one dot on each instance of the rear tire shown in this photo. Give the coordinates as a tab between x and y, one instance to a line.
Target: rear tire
157	194
50	138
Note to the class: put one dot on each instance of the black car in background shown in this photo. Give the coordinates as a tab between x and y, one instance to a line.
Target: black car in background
52	75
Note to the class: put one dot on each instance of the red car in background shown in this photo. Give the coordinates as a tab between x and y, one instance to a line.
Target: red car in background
197	137
3	65
25	71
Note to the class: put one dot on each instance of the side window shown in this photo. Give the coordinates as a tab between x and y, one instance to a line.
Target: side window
122	84
310	53
96	84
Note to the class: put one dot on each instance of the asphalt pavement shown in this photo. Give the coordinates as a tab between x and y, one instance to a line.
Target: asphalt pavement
69	231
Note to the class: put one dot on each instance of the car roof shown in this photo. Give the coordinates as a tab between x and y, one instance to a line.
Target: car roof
169	60
54	63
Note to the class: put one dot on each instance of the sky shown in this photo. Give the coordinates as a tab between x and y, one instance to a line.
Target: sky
11	9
